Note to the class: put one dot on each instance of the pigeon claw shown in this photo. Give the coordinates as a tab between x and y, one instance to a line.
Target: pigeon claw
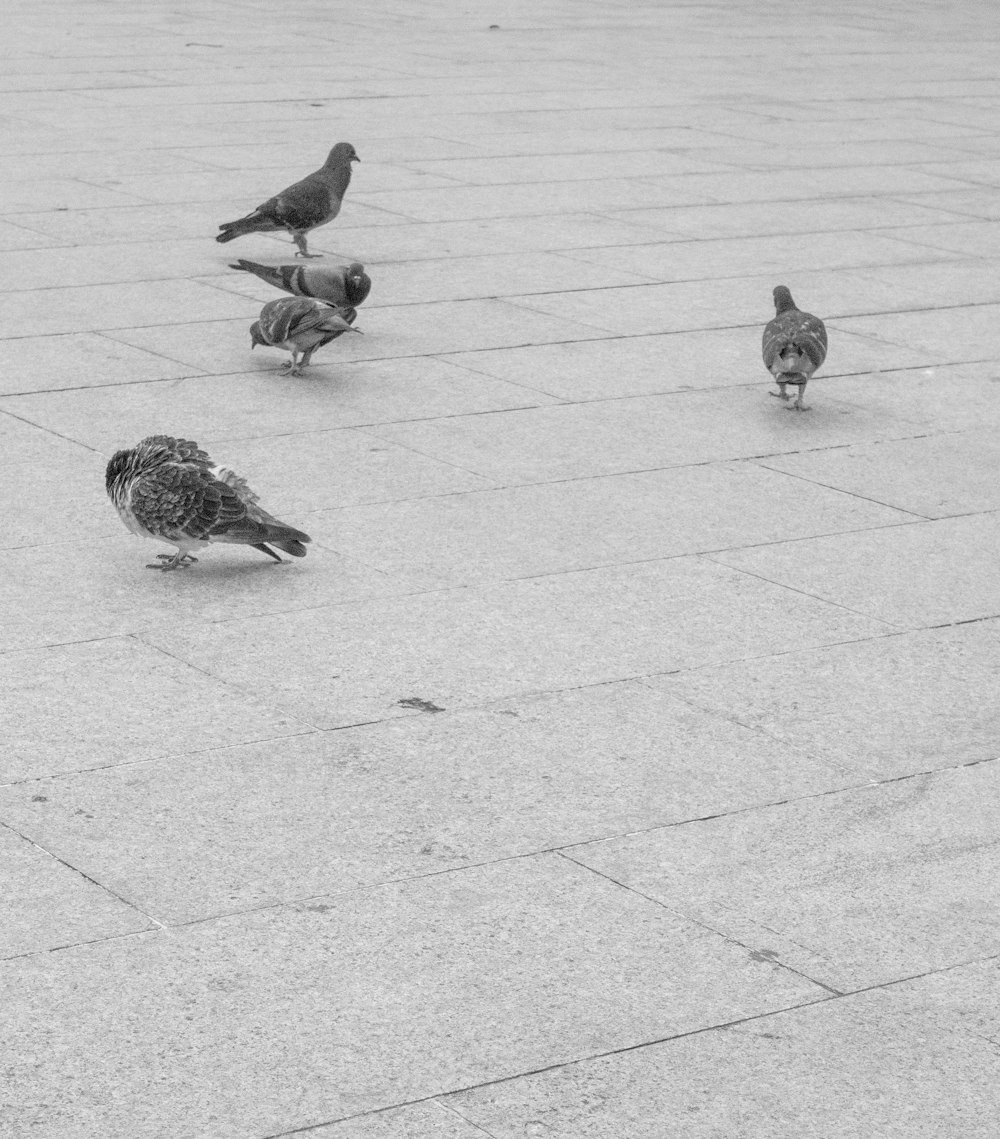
172	561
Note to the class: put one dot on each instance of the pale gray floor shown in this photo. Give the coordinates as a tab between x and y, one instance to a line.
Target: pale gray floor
621	763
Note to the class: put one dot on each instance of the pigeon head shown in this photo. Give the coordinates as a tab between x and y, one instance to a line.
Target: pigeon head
783	299
120	466
355	269
255	335
342	154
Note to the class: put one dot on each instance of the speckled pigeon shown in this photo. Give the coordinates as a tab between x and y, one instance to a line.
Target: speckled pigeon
794	346
303	206
300	324
341	285
170	489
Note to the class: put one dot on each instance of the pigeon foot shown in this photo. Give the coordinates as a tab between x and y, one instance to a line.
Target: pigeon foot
780	395
172	561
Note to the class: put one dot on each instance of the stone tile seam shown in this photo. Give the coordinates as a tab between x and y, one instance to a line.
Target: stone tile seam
681	913
915	514
892	625
251	696
561	851
154	922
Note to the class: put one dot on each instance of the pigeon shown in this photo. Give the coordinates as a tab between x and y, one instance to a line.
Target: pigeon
339	285
300	324
170	489
794	346
303	206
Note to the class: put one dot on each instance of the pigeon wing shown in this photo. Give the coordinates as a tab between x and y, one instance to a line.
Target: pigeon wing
799	330
279	319
304	205
181	500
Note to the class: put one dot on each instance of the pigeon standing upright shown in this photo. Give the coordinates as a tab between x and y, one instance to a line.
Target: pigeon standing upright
342	285
170	489
794	346
303	206
300	324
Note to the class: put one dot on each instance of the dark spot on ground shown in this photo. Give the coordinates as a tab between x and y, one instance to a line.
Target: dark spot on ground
420	705
320	909
39	798
764	955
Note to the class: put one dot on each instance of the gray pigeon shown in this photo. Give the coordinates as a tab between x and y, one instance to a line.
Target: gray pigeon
341	285
794	346
170	489
302	207
300	324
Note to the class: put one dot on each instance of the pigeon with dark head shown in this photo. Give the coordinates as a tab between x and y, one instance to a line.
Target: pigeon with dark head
300	325
303	206
170	489
344	286
794	346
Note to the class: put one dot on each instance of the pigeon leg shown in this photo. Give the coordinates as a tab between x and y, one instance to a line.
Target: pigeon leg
782	392
172	561
798	404
300	241
306	357
297	363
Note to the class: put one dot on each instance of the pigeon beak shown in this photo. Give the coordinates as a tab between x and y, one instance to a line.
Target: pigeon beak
354	158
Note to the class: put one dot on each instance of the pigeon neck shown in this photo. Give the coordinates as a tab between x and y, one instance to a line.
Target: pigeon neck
783	303
340	177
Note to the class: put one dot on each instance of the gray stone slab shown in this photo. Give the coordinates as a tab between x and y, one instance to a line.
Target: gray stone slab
875	152
947	566
968	332
24	270
94	307
721	303
957	397
14	236
84	359
616	436
47	905
101	703
323	469
972	238
861	887
458	278
935	476
750	219
348	665
886	707
462	539
937	285
58	194
318	1000
209	833
896	1062
58	499
567	167
264	403
389	332
375	244
432	1120
736	257
975	202
761	186
26	444
75	591
598	195
675	361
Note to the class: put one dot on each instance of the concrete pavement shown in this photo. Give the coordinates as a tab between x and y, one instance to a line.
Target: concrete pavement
622	761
